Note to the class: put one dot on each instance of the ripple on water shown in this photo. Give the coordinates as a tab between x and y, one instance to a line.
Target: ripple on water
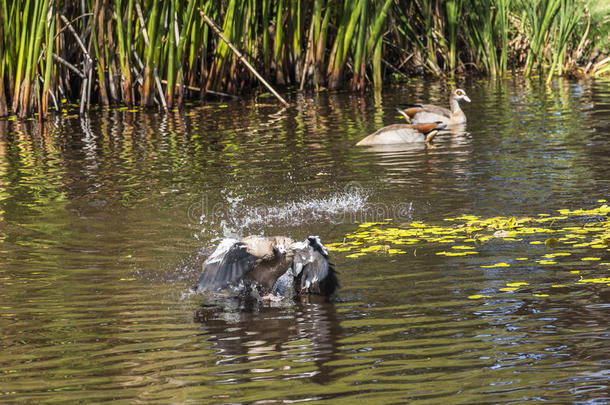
98	215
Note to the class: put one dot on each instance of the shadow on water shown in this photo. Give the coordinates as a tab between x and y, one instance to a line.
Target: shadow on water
305	333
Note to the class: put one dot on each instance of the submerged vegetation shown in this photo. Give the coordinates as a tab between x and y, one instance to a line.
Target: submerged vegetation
157	53
576	242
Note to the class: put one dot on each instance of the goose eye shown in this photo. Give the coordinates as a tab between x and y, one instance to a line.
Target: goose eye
459	92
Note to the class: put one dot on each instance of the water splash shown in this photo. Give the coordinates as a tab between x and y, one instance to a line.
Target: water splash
238	219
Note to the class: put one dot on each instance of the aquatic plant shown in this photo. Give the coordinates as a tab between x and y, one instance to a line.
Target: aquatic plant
569	239
157	53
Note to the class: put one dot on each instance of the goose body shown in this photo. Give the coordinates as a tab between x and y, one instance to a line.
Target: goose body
269	266
422	113
254	260
403	133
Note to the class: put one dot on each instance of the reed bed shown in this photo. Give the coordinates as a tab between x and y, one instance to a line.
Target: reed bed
158	53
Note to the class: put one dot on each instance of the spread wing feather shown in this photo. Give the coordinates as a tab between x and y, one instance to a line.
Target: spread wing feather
232	268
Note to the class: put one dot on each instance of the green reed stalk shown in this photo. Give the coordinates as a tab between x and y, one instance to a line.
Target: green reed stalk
98	40
3	57
570	12
48	65
279	44
454	14
481	31
540	15
21	53
320	53
377	79
360	56
187	24
171	58
429	27
502	12
10	36
296	29
219	63
147	94
29	77
378	27
349	19
375	41
265	15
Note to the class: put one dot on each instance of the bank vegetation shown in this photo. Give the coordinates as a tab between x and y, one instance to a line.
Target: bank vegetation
159	53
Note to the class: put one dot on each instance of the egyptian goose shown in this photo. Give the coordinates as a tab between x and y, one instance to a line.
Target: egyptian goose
403	133
421	113
263	266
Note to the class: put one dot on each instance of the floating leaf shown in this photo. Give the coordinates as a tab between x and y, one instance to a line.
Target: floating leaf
602	280
540	295
501	264
547	262
477	296
517	284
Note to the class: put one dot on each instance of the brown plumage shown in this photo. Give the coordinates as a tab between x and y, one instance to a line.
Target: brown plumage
423	113
254	259
262	264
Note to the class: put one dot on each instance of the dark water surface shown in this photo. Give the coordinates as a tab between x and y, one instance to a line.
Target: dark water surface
100	219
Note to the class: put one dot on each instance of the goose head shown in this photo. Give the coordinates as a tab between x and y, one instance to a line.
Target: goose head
460	95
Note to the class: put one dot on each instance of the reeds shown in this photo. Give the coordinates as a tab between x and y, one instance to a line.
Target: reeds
156	53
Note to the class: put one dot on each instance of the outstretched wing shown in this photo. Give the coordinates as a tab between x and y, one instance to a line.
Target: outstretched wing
232	268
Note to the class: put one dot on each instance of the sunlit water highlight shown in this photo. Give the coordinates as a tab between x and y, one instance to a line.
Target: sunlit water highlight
104	223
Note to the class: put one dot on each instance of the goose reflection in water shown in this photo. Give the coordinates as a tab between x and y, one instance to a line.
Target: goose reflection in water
294	337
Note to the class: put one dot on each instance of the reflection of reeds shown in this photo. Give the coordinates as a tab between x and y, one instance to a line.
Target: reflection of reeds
155	53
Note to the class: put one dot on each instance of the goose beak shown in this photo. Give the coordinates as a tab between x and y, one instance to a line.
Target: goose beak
466	98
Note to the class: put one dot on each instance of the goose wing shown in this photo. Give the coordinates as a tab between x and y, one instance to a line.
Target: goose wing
231	268
435	109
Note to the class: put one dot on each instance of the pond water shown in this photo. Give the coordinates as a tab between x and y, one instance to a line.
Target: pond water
104	222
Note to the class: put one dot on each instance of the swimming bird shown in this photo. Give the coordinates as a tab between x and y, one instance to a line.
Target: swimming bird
254	261
422	113
403	133
259	267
